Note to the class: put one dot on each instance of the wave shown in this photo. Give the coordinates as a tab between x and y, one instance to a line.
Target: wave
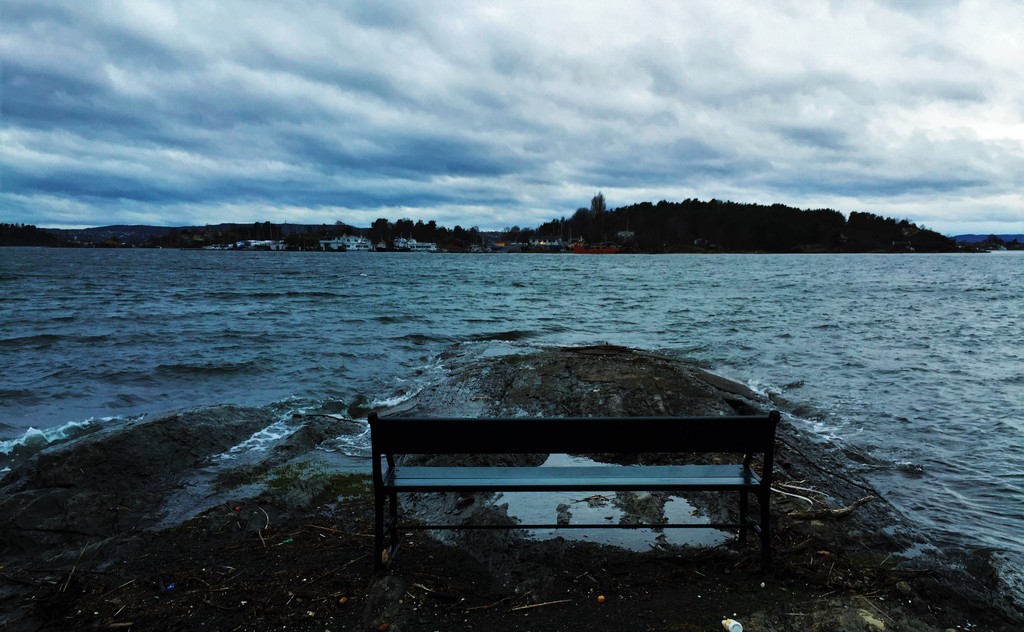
397	320
38	439
394	400
511	335
212	368
19	449
17	396
262	440
37	341
419	338
284	294
41	341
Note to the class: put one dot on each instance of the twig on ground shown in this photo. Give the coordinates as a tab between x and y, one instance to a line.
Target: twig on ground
830	513
809	490
823	470
68	580
340	568
358	535
810	503
538	605
259	532
877	609
130	581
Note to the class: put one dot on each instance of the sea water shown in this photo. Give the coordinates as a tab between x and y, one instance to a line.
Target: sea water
916	361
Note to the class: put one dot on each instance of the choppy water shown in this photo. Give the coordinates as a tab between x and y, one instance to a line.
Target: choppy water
916	360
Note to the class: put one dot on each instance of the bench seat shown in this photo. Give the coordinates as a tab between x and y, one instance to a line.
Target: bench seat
664	478
393	438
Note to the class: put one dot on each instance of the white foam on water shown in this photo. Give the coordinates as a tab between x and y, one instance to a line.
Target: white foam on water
395	400
260	440
351	444
409	387
39	438
764	389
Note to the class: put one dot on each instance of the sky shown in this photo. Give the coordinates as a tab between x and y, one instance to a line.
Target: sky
514	113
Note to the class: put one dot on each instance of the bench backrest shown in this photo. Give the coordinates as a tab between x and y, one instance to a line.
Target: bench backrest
580	435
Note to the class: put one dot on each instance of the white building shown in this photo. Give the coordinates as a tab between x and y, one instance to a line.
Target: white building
349	243
411	245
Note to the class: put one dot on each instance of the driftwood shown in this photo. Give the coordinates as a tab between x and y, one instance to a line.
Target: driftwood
820	514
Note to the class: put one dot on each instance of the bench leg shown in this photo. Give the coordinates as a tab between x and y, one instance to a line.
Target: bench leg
766	553
393	523
385	531
744	504
378	531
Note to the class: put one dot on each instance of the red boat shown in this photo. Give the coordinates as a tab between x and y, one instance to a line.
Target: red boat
581	248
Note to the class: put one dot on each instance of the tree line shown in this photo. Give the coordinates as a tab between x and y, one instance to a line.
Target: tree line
689	226
714	225
308	237
295	236
26	235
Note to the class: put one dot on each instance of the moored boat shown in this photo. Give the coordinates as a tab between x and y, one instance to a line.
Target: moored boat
411	245
583	248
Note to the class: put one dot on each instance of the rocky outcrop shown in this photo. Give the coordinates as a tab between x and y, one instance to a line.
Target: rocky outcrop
88	505
586	381
113	482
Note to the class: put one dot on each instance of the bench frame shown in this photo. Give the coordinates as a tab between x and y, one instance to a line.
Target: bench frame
745	435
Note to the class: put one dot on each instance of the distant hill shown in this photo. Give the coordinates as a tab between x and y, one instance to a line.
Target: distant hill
125	234
138	235
977	239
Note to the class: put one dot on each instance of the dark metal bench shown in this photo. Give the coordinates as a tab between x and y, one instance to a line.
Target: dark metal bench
745	435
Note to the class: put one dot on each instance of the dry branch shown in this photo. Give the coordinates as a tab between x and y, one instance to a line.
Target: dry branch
538	605
820	514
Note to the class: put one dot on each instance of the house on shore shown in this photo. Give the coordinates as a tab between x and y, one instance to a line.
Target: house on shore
411	245
348	243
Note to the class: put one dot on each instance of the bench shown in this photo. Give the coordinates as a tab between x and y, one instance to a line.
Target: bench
393	437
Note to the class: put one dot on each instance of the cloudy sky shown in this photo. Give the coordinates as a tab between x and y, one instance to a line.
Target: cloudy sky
494	114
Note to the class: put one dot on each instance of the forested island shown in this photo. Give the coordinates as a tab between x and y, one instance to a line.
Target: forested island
665	227
695	225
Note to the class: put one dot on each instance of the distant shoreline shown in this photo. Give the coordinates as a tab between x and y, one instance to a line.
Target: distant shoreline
681	251
691	225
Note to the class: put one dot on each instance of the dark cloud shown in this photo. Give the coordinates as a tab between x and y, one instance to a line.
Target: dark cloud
816	137
499	115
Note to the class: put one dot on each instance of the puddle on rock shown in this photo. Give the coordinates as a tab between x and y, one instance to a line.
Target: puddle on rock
610	508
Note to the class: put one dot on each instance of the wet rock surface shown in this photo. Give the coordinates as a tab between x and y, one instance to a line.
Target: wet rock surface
114	480
88	544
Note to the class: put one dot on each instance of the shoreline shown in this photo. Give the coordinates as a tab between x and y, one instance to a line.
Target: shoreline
292	528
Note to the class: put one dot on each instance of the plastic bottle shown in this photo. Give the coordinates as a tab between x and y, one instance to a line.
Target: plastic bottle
732	625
